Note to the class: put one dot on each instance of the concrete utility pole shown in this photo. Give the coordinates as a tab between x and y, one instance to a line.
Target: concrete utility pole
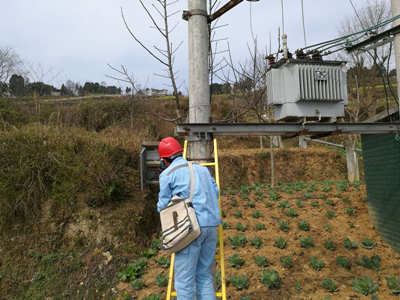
199	91
395	12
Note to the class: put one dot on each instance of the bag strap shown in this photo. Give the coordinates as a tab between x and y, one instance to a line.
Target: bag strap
192	186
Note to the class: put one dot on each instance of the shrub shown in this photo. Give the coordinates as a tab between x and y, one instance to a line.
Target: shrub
256	214
350	211
316	264
259	226
343	262
162	280
241	227
368	243
327	227
306	242
274	196
133	271
225	225
315	203
364	286
330	245
270	279
156	244
330	285
349	244
236	261
137	284
234	203
304	225
291	212
240	282
284	226
299	203
261	261
286	261
280	243
256	242
163	262
268	204
347	200
370	263
237	241
297	286
393	284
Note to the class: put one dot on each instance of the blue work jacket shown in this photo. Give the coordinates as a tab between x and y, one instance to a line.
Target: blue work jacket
205	197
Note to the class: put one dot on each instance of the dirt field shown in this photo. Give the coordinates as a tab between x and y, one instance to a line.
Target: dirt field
348	218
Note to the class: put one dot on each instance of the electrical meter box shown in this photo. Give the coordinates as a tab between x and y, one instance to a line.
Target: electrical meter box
307	89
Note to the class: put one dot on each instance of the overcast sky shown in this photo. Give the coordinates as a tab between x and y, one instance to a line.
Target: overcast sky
78	38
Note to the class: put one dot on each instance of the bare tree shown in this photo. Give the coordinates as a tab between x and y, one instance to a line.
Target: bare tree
159	15
10	63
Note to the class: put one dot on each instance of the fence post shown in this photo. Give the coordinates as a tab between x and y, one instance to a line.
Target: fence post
353	172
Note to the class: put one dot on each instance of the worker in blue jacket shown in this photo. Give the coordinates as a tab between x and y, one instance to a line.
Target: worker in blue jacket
193	263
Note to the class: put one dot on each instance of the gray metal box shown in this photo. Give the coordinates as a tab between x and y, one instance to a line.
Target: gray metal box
306	88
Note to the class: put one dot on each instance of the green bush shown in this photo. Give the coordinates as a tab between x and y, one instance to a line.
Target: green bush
237	214
284	204
162	280
372	263
256	242
349	244
284	226
329	244
304	225
350	211
237	241
368	243
251	204
256	214
315	203
291	212
137	284
163	262
306	242
270	279
330	285
393	284
259	226
152	297
343	262
241	227
364	286
331	214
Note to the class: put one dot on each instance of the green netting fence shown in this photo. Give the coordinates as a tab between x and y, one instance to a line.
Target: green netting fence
381	156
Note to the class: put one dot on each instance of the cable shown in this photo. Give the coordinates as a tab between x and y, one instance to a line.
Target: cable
304	26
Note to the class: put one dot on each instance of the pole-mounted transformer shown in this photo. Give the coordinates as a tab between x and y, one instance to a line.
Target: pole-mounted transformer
307	88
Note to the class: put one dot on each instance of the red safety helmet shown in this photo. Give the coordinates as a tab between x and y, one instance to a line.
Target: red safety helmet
168	147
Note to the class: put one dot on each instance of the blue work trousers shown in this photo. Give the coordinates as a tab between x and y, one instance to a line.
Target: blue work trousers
193	267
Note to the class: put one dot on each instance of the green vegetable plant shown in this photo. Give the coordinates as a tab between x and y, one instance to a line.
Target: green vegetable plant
286	261
315	203
330	285
163	262
133	271
297	286
291	212
280	243
346	200
304	225
327	227
240	282
316	264
261	261
330	202
256	214
237	214
349	244
241	227
156	244
259	226
237	241
148	253
372	263
344	262
251	204
137	284
364	286
368	243
274	196
284	204
299	203
225	225
349	211
393	284
162	280
256	242
330	245
331	214
236	261
270	279
268	204
306	242
284	226
152	297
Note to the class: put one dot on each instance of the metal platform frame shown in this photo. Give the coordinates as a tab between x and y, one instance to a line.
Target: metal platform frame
283	129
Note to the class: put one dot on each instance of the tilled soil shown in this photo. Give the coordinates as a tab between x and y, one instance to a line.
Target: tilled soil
311	201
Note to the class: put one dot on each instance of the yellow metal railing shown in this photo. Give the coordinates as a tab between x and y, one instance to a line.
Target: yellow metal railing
221	255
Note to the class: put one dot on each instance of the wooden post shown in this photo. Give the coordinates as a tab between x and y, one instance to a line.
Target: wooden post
353	172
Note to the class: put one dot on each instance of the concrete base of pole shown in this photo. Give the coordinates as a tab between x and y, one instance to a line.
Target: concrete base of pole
199	151
353	172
